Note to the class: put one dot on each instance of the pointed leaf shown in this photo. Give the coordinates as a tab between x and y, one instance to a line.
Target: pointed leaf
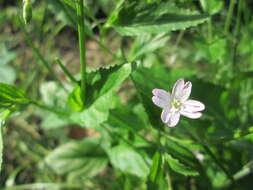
10	95
138	18
100	94
178	167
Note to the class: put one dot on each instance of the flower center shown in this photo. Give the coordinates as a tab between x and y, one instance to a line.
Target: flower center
176	104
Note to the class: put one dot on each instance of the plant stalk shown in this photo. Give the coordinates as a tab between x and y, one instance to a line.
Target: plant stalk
81	37
229	16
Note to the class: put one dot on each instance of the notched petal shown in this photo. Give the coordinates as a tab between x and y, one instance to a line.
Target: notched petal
177	88
186	91
161	93
173	119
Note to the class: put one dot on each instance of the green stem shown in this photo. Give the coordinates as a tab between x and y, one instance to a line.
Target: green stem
50	109
216	160
81	37
210	30
65	70
221	166
229	16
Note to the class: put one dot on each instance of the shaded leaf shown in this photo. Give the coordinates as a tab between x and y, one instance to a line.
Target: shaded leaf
178	167
84	158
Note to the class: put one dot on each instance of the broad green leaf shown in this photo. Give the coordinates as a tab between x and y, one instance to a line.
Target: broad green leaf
100	94
84	158
96	113
128	160
10	95
104	80
138	18
178	167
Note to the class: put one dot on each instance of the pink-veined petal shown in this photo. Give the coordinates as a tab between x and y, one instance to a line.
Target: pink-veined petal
193	106
160	102
177	88
161	98
186	91
192	115
173	119
165	116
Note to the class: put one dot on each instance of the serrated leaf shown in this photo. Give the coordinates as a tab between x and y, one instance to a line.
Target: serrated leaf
10	95
100	94
84	158
178	167
138	18
105	80
129	161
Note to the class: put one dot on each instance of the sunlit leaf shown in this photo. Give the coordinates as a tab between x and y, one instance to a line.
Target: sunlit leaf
137	18
129	160
100	96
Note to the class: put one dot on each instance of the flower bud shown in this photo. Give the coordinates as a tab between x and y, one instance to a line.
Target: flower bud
27	11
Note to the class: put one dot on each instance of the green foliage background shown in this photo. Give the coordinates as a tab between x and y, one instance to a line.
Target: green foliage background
53	138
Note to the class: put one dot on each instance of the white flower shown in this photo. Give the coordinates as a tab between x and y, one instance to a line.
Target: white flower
177	103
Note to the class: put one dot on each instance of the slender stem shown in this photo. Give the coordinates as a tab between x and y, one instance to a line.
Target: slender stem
65	70
50	109
216	160
81	37
229	16
210	30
